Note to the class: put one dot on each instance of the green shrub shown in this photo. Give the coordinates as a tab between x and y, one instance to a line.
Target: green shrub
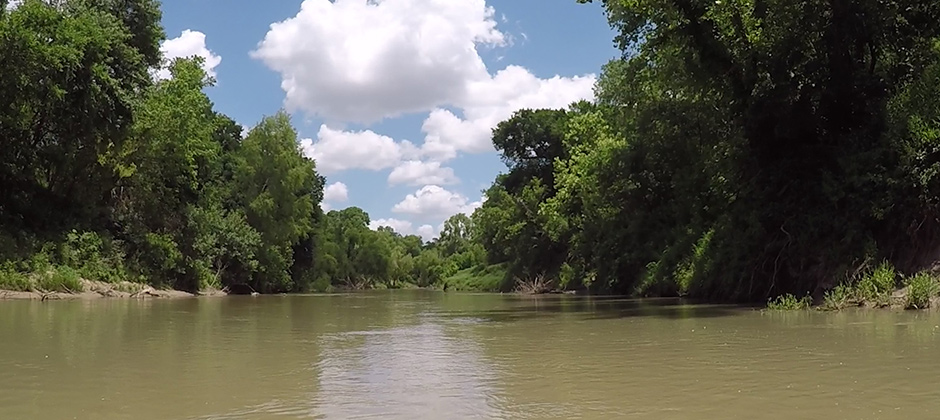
482	278
95	258
877	285
567	276
921	287
838	298
59	279
38	262
11	279
788	302
321	284
206	278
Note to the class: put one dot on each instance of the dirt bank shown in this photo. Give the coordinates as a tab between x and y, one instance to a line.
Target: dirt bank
101	290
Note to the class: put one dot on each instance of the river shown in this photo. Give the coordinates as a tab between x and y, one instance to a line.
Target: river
429	355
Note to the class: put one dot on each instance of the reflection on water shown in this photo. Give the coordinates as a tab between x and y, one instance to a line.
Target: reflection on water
426	355
409	372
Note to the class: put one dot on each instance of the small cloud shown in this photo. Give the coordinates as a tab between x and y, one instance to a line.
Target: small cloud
435	202
336	192
190	43
415	172
338	150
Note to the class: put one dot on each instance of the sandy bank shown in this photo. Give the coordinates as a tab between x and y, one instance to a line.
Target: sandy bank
101	290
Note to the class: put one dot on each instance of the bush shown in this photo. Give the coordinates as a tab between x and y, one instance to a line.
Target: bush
838	298
11	279
59	279
788	302
877	285
481	278
321	284
921	288
95	258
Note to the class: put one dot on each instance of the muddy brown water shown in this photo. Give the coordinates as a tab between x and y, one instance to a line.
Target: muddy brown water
428	355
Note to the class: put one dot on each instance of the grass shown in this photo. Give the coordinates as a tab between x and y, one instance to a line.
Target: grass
481	278
839	298
921	288
876	287
50	279
59	279
10	279
873	288
788	302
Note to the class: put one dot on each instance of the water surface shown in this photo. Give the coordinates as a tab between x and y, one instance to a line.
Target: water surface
428	355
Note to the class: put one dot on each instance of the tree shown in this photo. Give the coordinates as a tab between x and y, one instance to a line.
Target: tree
765	123
280	191
71	72
529	142
456	235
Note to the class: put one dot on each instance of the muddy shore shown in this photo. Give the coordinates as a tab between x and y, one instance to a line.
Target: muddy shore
101	290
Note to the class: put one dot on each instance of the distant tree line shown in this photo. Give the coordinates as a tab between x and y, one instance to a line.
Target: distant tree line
110	174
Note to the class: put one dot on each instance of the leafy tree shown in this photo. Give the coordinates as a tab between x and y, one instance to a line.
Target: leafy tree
456	237
71	71
280	191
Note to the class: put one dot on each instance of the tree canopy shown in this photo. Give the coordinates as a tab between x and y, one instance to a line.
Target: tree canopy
736	150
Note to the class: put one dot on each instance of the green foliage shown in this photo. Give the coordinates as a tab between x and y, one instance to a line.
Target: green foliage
280	191
877	286
789	302
58	279
71	73
12	279
226	245
431	268
94	257
736	151
321	284
839	298
39	275
117	175
922	287
481	278
348	254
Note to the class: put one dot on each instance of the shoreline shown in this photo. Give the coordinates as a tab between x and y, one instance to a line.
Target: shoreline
92	290
95	290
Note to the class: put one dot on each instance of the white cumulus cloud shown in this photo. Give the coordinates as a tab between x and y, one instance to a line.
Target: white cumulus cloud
416	172
365	60
336	192
427	232
339	150
189	43
493	100
404	227
432	202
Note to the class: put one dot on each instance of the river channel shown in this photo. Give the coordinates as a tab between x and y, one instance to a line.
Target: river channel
431	355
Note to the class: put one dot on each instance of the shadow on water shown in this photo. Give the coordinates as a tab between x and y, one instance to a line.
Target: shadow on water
518	308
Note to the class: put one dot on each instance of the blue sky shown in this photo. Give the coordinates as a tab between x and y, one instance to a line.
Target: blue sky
394	98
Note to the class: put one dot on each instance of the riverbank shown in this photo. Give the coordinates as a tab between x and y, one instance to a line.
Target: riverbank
883	287
101	290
